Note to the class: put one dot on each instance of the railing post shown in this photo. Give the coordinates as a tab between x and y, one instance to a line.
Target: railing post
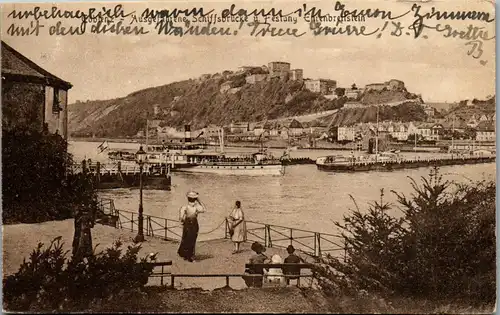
151	227
315	244
98	174
166	226
132	222
172	280
318	244
119	219
291	237
269	242
227	281
161	279
266	244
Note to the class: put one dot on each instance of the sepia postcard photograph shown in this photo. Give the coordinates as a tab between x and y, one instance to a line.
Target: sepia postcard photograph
263	156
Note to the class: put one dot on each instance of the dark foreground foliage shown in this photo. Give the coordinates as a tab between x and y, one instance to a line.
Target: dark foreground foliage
35	185
442	247
49	281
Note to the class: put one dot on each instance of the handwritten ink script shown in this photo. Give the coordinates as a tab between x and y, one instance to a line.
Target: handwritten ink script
418	21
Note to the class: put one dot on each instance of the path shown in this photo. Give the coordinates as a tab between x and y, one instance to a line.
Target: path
214	256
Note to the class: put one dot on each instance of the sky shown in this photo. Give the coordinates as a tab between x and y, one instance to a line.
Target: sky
110	66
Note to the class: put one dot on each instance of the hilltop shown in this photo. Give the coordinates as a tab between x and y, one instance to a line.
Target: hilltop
219	99
466	109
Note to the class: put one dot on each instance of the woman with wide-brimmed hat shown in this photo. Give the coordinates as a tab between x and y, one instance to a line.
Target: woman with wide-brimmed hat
189	217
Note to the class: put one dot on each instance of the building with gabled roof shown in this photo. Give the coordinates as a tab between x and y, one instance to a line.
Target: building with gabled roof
32	97
485	131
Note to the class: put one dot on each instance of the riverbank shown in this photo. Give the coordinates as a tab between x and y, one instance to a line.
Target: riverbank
279	145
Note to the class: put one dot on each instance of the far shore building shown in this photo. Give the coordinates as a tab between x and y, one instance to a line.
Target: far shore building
353	93
485	131
32	96
389	85
239	127
211	131
323	86
254	78
262	129
295	128
343	133
278	69
296	74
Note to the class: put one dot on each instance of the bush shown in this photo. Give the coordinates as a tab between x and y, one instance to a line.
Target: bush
49	282
36	186
442	247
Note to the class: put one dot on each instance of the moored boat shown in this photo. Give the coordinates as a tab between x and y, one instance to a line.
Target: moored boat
386	163
255	165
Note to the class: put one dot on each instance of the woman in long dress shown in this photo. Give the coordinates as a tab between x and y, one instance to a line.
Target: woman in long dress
238	228
189	217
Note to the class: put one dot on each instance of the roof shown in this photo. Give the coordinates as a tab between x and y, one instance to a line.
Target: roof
486	126
295	124
16	67
425	126
457	124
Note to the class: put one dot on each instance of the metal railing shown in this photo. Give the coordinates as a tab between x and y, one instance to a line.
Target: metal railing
153	226
270	235
310	242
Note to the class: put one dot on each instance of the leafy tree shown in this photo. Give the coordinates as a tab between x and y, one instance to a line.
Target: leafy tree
443	245
50	282
36	185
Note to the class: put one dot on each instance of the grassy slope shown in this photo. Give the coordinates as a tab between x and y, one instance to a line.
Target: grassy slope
276	300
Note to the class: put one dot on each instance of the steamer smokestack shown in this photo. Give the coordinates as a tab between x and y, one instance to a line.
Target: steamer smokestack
187	134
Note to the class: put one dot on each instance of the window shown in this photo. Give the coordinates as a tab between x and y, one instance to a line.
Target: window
56	108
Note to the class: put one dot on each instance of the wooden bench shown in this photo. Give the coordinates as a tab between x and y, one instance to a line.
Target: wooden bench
290	271
161	274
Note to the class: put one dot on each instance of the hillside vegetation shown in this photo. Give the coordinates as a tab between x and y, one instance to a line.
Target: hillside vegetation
478	108
405	112
217	99
385	96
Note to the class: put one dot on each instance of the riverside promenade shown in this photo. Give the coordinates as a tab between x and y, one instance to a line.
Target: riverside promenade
214	256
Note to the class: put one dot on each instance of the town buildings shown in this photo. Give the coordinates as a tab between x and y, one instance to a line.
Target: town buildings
485	131
253	78
31	96
278	69
322	86
389	85
295	128
296	74
239	127
343	133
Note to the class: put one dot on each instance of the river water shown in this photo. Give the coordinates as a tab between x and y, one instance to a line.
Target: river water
303	198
